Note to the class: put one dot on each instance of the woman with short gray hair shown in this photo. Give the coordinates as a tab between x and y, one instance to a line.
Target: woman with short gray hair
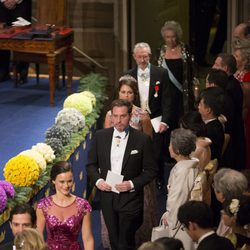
181	180
229	184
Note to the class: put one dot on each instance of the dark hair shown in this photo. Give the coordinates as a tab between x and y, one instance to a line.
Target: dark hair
170	243
214	98
59	168
246	173
196	211
122	103
243	215
218	77
229	61
131	82
192	120
23	209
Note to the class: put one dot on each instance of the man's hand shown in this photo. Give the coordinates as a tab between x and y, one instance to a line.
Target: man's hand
104	186
10	4
163	127
124	186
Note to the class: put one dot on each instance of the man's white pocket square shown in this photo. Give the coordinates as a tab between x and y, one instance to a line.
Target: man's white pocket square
133	152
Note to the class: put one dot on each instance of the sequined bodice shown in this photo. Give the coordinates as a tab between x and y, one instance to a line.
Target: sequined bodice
63	233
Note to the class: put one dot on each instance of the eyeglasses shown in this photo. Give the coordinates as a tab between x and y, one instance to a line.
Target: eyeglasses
183	226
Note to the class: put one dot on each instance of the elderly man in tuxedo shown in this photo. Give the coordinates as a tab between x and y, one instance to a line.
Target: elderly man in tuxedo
124	154
155	97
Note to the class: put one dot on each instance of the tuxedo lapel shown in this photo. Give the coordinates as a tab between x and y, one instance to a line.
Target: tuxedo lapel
107	146
129	147
152	83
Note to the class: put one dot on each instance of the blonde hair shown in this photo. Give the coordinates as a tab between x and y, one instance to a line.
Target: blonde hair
244	47
29	239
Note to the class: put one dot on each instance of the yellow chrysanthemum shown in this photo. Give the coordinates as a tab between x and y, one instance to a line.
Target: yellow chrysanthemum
21	170
37	157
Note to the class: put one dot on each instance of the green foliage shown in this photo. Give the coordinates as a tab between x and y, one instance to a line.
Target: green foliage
94	83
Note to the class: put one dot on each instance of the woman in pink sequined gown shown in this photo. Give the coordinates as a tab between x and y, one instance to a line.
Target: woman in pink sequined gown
242	56
63	214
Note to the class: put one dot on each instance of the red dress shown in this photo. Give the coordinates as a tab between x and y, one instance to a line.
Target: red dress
245	84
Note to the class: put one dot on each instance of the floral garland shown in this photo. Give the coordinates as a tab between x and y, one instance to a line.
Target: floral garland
80	102
22	171
6	190
71	119
37	157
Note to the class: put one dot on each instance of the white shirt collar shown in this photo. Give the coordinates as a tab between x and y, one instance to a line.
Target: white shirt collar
122	135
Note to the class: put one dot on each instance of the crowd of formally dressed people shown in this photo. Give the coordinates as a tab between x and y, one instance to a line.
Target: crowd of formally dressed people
158	119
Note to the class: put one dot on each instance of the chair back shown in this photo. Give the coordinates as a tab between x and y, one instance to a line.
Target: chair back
52	12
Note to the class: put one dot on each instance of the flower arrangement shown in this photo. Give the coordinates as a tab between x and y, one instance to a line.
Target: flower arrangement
6	191
90	95
80	102
46	151
71	119
8	188
234	206
3	198
21	170
37	157
56	145
58	132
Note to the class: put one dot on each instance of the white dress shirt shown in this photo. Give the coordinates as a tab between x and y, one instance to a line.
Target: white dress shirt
143	77
119	143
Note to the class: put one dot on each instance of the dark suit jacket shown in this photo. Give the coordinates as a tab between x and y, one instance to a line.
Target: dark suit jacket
160	105
138	166
7	246
215	242
215	133
234	90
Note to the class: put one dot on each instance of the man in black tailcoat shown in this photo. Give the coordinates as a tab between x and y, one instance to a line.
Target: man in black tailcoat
121	151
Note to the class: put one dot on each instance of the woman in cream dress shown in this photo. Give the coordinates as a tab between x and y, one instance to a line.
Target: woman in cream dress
181	181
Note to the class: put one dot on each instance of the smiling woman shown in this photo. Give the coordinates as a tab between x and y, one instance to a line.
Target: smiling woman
63	213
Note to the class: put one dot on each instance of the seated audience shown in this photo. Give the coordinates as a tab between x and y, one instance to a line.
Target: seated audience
170	243
29	239
218	78
197	220
236	218
227	63
242	55
202	190
152	246
210	107
63	214
21	216
228	184
181	180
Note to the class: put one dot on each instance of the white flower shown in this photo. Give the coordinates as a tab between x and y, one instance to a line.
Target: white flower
71	119
89	95
234	206
35	155
46	151
80	102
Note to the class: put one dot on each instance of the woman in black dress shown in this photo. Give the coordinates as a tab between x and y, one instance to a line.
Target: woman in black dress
177	59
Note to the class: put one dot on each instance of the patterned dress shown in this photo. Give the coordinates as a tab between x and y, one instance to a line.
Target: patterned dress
63	234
